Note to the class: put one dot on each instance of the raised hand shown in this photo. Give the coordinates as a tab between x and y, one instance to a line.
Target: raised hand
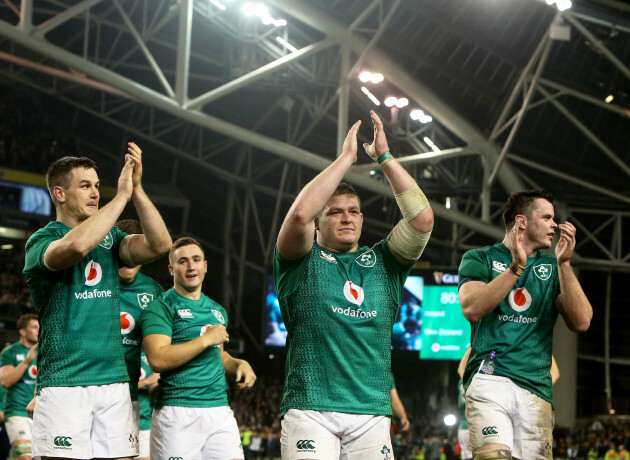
135	154
349	147
566	244
125	181
379	145
519	255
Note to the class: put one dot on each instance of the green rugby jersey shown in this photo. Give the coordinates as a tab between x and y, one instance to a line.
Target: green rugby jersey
146	407
21	393
79	312
201	381
134	297
520	329
461	403
339	310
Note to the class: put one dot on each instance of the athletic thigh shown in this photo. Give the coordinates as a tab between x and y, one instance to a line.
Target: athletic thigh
533	427
304	438
224	441
488	399
19	429
371	441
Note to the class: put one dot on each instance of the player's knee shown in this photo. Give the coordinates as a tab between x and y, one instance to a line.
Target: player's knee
493	454
23	449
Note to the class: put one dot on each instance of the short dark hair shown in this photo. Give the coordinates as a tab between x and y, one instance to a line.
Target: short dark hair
185	241
23	320
58	173
346	189
130	226
523	203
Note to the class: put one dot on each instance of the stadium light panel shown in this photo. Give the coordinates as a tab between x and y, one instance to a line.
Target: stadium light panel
218	4
391	101
371	96
402	102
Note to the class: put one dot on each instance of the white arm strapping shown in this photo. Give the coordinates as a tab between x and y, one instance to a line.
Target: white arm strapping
408	242
412	202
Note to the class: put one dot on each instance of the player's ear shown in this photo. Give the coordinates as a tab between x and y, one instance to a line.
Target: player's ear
59	193
170	269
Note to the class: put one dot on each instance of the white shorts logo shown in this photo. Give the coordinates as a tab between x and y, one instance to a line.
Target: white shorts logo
520	299
93	273
353	293
32	371
127	323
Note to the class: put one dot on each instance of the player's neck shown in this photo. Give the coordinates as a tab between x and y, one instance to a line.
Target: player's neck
68	219
192	295
25	342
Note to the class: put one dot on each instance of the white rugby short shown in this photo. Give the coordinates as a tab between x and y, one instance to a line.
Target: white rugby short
309	434
463	437
500	412
94	421
205	433
144	443
19	428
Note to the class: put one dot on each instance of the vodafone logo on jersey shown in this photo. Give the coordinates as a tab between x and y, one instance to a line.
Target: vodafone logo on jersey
353	292
32	371
93	273
205	329
143	374
520	299
127	323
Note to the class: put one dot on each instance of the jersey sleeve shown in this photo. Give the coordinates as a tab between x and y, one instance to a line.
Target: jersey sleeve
6	358
473	267
396	270
35	249
157	318
287	273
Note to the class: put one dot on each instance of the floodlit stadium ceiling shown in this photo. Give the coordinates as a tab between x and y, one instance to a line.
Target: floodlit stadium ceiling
240	104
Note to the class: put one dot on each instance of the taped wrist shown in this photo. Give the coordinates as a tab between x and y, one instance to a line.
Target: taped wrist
408	242
412	202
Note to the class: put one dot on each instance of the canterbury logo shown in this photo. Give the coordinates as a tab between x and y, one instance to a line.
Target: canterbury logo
62	441
305	444
176	458
489	430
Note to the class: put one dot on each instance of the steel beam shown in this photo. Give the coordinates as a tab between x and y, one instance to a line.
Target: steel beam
257	74
183	51
451	119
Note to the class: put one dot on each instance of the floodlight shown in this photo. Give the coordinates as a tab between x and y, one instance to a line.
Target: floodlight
365	76
390	101
279	22
377	78
402	102
563	5
609	98
450	420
